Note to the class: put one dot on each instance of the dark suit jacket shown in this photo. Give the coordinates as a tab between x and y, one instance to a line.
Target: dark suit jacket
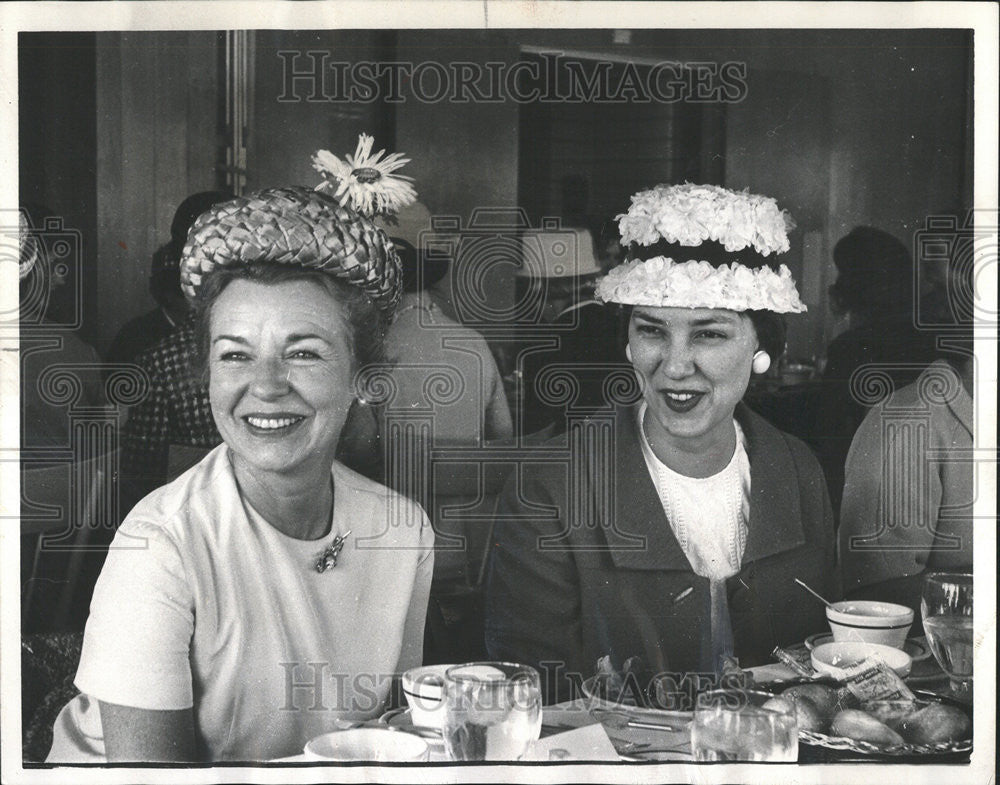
584	562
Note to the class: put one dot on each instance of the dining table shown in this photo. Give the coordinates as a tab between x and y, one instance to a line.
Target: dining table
572	732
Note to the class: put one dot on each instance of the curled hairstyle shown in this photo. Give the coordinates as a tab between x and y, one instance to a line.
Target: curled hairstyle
366	324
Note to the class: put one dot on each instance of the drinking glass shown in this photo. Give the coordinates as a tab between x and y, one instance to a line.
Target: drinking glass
736	725
493	711
946	609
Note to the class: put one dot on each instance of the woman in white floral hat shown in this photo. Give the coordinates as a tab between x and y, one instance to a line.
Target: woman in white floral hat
680	541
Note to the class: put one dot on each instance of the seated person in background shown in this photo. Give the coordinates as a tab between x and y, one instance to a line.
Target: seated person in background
424	345
909	480
175	411
680	543
145	331
414	225
48	393
44	344
607	242
269	565
592	338
874	287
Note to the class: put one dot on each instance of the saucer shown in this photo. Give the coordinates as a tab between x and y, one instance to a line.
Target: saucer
918	650
401	720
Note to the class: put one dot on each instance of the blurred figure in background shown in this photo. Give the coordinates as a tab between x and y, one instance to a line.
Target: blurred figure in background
591	336
875	288
910	474
44	342
608	244
423	342
53	361
145	331
176	410
413	224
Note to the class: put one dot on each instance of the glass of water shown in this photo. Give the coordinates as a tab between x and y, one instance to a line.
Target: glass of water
493	711
946	609
744	725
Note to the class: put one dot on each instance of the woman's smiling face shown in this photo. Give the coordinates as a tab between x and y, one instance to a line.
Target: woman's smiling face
280	375
694	366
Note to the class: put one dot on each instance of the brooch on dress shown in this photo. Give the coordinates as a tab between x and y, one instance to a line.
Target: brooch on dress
328	559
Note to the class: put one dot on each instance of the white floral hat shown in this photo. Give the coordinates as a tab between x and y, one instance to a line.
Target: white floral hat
715	245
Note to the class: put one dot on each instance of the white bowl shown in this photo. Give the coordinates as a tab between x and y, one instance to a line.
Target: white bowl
378	745
424	691
870	621
835	658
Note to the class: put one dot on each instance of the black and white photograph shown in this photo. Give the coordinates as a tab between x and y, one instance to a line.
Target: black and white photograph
498	391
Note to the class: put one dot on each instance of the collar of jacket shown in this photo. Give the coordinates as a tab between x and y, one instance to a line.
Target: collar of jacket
775	522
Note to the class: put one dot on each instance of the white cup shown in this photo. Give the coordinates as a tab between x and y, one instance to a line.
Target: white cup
869	621
423	689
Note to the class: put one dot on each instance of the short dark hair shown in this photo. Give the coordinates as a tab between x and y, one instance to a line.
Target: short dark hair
165	271
366	323
165	277
874	274
772	332
771	328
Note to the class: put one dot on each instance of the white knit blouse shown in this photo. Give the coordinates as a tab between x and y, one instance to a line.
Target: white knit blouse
708	515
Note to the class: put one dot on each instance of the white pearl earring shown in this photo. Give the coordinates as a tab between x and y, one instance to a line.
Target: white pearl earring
761	361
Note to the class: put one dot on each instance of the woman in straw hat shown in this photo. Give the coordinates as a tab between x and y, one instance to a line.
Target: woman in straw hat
679	541
269	591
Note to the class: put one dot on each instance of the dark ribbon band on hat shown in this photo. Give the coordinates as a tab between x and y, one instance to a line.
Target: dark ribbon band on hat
709	251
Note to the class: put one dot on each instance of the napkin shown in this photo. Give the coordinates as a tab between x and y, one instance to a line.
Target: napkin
772	672
588	743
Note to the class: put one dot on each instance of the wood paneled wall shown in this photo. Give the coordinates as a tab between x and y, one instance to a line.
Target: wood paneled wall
292	119
156	144
57	159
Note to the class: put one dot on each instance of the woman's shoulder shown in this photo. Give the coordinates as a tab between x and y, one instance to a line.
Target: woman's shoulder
937	397
197	495
936	384
763	438
373	511
361	489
